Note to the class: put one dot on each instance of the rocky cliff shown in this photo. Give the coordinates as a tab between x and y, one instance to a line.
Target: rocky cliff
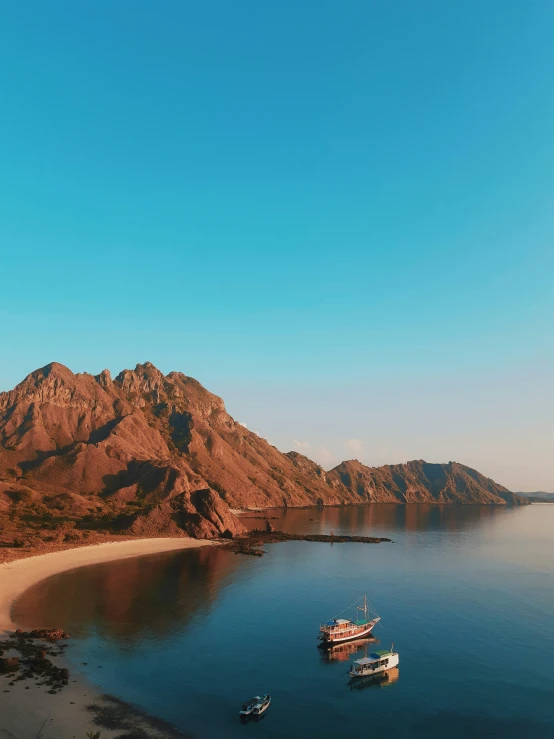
153	454
422	482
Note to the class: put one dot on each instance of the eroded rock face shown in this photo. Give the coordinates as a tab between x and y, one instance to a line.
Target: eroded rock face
84	442
159	453
422	482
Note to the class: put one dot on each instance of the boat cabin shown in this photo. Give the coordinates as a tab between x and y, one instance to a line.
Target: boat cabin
376	662
248	706
340	627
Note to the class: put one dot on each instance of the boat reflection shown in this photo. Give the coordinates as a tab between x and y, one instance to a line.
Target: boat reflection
343	652
381	680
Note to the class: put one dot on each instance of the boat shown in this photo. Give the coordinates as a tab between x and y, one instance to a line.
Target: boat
263	704
380	661
341	629
248	706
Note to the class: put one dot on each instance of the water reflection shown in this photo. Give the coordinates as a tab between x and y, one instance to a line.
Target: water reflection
382	680
343	652
130	599
465	592
381	517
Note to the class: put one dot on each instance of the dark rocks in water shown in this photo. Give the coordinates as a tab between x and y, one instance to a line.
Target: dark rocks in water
269	527
277	536
47	634
245	547
256	538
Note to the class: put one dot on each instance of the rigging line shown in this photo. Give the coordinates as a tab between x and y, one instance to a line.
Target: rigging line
348	607
369	605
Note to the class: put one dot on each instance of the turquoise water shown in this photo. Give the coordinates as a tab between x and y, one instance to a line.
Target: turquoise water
465	593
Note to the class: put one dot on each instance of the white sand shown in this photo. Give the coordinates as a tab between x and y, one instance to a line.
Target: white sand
22	711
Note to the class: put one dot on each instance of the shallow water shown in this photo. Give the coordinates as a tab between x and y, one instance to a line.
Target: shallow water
465	593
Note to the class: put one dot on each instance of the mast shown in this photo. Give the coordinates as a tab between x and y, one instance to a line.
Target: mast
364	607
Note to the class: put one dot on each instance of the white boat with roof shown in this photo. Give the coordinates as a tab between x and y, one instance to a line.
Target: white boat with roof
376	662
342	629
262	705
248	706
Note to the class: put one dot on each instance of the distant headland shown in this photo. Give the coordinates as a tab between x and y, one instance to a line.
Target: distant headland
87	457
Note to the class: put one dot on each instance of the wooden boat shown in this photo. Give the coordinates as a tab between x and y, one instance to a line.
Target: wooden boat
377	662
341	629
262	706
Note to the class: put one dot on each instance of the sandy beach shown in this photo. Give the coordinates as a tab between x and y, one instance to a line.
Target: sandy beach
25	706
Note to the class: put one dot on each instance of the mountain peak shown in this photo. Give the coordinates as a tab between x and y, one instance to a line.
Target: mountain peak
53	369
146	439
147	367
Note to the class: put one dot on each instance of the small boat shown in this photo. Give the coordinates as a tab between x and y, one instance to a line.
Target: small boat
262	706
248	706
377	662
341	629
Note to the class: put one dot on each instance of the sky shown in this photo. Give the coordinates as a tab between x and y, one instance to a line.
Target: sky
337	215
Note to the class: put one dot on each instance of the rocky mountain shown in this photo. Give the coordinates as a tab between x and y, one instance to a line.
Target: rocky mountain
153	454
422	482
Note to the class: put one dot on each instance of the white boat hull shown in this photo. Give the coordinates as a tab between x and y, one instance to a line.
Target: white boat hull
262	709
369	670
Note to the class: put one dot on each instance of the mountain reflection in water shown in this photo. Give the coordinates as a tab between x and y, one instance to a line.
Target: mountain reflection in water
381	517
464	592
123	600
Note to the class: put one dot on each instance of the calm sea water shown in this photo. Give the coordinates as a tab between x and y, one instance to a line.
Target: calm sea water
465	593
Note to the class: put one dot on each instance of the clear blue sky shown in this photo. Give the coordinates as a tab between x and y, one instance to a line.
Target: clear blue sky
337	215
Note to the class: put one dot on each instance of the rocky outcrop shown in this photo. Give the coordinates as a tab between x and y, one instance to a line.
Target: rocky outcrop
202	515
422	482
154	454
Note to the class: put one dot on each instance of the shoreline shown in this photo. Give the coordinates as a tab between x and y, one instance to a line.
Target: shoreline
19	575
350	504
81	706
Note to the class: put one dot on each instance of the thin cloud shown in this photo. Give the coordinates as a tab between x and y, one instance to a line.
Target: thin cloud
302	444
355	445
323	456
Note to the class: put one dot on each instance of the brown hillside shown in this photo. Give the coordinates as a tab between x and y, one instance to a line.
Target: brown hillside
149	454
79	443
421	482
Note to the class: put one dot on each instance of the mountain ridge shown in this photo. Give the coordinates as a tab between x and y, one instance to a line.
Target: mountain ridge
150	453
419	481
